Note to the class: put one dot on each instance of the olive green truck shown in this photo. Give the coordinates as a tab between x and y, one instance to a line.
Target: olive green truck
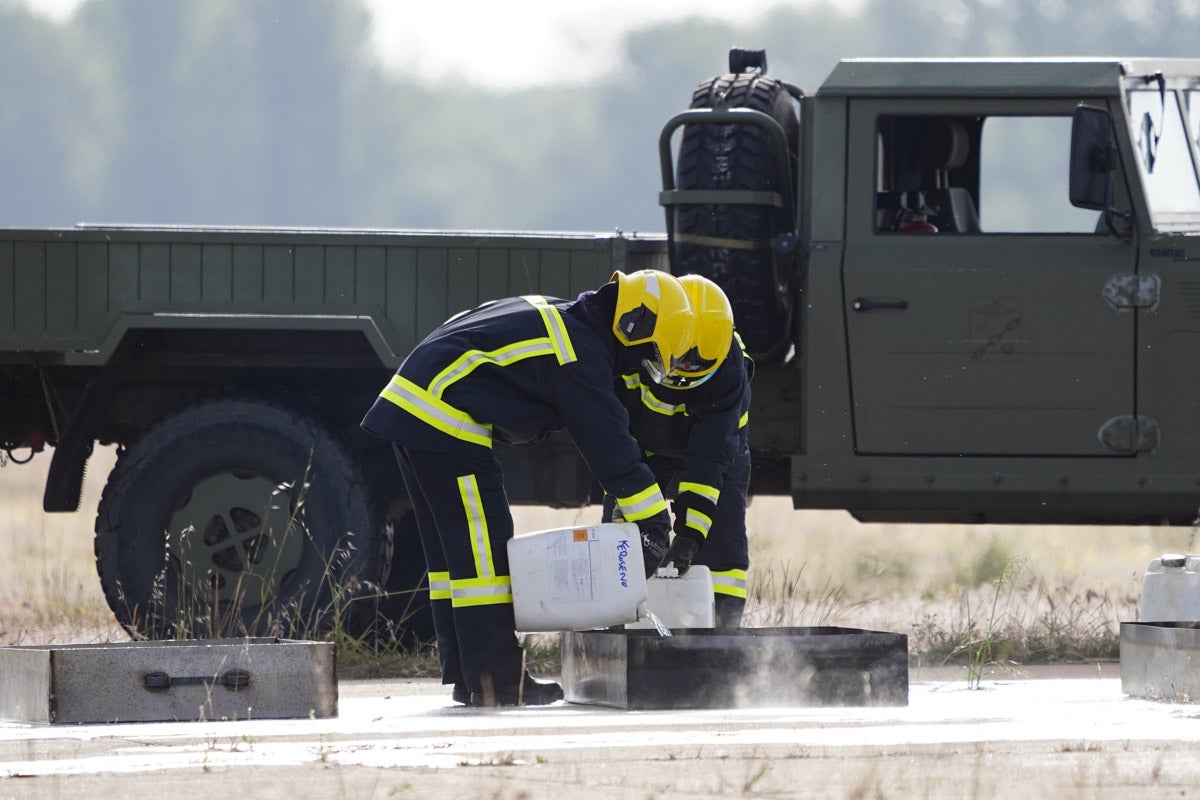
971	288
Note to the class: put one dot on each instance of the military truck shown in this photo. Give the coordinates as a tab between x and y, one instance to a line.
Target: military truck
969	286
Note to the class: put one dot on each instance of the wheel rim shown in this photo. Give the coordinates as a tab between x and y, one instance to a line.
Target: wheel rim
234	540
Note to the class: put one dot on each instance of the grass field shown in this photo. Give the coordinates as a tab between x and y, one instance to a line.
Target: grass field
961	593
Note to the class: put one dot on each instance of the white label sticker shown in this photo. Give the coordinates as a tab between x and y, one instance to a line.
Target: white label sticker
575	569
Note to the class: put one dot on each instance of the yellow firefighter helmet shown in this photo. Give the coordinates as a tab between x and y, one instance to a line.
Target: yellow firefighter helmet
653	308
713	336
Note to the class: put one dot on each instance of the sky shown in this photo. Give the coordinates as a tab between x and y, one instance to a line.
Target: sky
515	43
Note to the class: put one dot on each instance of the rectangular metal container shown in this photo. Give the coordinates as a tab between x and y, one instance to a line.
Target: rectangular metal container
1161	661
750	667
202	679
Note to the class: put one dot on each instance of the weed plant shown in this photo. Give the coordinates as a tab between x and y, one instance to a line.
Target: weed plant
964	595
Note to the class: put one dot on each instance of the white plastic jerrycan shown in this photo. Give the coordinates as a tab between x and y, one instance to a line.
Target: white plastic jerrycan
685	601
571	579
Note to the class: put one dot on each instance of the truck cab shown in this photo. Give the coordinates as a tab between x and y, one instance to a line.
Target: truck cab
996	293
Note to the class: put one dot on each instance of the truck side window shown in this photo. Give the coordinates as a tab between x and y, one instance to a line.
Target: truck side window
919	180
997	174
1023	177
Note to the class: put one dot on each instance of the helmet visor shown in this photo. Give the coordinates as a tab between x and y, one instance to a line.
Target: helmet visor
653	364
686	372
685	381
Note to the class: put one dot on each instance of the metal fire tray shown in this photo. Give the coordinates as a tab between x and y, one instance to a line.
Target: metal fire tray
202	679
704	668
1161	661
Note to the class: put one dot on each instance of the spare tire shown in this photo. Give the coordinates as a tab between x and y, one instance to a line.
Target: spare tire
733	244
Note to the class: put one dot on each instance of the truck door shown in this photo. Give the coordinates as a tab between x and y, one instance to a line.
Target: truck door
984	314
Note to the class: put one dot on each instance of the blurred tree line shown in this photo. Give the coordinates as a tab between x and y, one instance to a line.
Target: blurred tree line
277	112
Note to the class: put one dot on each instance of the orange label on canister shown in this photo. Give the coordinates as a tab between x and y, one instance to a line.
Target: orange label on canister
581	534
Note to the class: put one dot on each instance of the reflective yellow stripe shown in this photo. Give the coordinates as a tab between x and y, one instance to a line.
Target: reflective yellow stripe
487	588
650	401
711	492
659	407
745	420
556	329
481	546
433	411
644	504
466	363
731	582
699	521
439	586
481	592
557	343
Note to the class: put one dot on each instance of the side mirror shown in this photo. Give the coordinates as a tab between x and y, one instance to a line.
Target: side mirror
1092	158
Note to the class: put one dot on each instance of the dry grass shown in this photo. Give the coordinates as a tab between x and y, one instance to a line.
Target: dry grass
49	590
1069	588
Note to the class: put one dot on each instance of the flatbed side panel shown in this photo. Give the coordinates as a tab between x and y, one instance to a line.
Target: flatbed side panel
29	292
73	295
8	296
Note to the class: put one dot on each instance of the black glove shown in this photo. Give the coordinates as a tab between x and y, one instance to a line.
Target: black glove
655	538
681	552
694	514
610	511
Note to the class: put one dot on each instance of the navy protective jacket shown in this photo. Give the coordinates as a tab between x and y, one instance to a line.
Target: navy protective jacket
515	371
702	425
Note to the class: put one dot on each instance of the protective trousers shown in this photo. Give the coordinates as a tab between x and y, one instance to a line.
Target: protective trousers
464	523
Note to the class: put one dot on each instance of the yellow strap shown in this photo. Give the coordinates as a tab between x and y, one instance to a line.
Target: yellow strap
481	545
722	243
699	522
731	582
439	586
556	342
650	401
481	592
644	504
556	329
465	364
436	412
711	492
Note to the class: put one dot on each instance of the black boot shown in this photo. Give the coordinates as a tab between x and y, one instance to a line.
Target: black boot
530	692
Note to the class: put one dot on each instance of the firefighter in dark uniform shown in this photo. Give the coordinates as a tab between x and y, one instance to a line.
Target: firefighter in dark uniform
514	371
693	429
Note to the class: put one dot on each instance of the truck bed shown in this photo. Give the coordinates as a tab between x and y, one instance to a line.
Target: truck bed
70	296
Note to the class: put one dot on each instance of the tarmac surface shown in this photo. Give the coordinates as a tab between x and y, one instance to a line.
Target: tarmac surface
1061	733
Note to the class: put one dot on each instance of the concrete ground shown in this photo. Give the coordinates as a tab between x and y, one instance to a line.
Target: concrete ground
1042	733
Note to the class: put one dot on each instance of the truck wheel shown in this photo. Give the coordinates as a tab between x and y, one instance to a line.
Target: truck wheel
732	244
236	518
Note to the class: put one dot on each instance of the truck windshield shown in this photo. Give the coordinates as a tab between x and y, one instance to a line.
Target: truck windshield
1192	99
1164	157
